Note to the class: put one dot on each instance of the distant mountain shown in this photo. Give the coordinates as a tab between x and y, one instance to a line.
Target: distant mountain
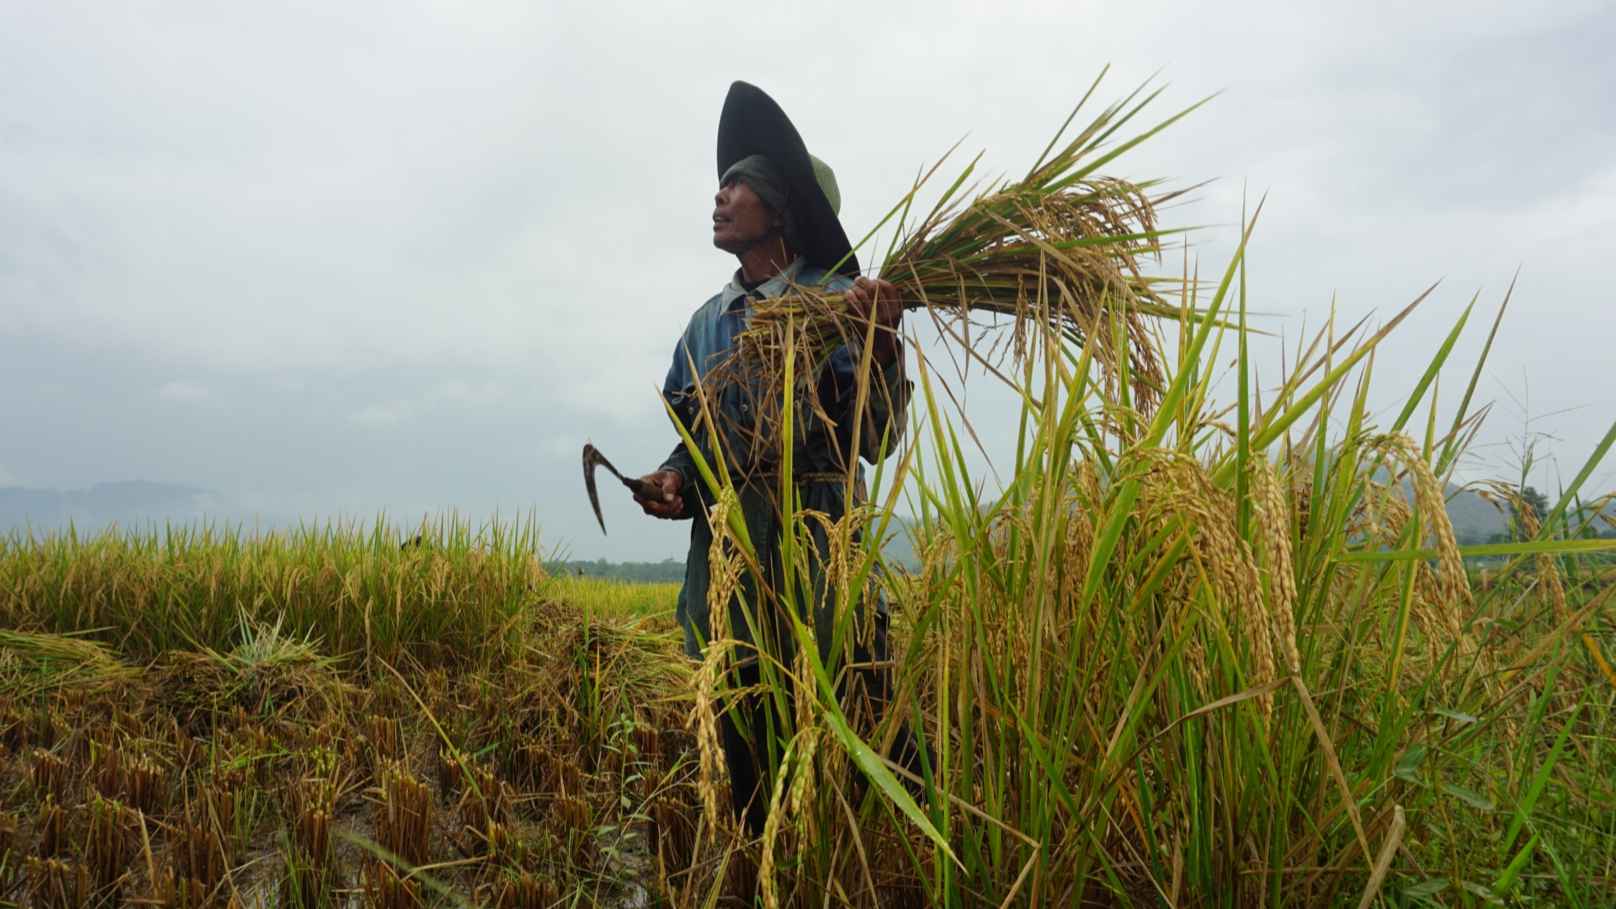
128	504
1475	520
900	546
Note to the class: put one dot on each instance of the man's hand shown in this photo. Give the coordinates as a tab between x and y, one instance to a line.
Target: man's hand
880	298
672	504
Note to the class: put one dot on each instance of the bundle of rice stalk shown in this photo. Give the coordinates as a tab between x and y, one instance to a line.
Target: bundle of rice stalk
50	661
1057	252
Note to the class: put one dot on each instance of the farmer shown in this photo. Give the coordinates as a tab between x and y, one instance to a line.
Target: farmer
776	212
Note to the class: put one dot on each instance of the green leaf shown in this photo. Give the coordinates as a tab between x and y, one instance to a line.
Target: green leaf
1523	812
1469	796
1408	766
1462	718
1484	550
1426	888
1431	371
1506	880
1554	516
1273	428
1452	449
1482	890
1568	882
876	770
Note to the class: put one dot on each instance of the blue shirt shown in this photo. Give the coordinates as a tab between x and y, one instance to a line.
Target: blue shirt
818	450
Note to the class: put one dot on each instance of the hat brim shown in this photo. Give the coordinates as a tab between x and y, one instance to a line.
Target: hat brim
753	124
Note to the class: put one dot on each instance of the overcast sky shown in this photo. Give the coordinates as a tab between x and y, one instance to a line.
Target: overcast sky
344	258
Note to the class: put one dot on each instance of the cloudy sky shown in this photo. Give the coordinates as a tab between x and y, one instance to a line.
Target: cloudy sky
346	258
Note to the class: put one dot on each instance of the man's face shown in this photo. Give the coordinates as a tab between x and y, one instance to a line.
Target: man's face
740	219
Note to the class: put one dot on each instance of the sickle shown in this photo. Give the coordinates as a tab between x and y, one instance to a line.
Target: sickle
592	459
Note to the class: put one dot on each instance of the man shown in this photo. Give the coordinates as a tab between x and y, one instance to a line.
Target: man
776	212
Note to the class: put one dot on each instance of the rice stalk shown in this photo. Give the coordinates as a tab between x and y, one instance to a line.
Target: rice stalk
1276	537
1058	251
1155	666
48	661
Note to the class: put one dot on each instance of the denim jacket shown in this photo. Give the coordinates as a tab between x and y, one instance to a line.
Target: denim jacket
818	449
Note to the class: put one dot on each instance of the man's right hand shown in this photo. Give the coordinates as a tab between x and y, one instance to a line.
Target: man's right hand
672	504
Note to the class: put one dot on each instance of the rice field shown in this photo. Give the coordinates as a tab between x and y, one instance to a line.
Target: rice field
200	719
1191	652
1193	649
611	598
319	718
1140	685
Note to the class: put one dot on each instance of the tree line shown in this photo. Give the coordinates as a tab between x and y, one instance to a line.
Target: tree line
641	572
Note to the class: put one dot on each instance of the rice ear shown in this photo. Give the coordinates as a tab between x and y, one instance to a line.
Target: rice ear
1061	249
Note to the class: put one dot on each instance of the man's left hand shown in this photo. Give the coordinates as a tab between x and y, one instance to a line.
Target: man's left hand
874	296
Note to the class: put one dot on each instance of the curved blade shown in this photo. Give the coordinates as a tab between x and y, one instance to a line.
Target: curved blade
592	459
640	488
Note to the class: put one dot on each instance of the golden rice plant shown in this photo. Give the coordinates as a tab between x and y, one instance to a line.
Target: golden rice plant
1190	652
41	662
269	735
260	600
1062	246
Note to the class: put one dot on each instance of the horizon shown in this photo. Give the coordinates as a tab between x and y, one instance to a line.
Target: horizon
368	286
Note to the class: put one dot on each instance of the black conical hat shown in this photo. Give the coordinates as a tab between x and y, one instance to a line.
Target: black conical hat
753	124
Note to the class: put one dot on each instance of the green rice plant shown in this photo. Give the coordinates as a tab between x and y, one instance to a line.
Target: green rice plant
608	598
1175	661
451	591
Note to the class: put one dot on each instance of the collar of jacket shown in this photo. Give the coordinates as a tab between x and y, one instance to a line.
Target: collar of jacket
733	291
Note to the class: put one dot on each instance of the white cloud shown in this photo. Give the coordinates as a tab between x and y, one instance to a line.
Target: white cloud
509	240
391	413
7	478
182	391
561	446
445	396
464	393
